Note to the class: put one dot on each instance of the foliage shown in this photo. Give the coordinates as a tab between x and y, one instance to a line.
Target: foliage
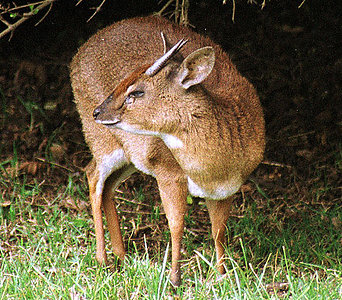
13	16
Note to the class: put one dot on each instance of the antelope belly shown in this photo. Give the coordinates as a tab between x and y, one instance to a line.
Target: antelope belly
219	191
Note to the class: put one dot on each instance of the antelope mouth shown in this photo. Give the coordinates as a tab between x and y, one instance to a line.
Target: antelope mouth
108	123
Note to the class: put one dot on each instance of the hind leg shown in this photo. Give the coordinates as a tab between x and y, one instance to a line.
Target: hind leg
219	211
93	177
109	208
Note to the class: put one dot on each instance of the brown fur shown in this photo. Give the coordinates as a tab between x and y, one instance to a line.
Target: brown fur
220	123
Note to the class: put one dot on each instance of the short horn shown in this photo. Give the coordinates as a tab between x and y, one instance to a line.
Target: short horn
159	63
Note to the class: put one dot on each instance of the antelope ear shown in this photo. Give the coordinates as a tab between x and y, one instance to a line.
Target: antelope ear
196	67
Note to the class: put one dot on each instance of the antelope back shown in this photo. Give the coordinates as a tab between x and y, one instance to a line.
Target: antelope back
116	51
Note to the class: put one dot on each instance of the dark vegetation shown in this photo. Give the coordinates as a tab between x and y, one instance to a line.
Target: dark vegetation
292	55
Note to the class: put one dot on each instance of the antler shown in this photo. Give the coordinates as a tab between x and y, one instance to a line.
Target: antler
159	63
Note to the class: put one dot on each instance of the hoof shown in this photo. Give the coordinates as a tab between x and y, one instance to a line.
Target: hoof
102	259
175	279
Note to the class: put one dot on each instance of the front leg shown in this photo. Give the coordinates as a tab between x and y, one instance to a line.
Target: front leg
173	193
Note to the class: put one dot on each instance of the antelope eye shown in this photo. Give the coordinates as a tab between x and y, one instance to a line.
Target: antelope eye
136	94
133	95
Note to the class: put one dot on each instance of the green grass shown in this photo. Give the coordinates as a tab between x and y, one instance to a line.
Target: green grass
48	253
53	259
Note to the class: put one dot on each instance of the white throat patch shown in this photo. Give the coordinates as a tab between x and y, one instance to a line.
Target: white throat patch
170	140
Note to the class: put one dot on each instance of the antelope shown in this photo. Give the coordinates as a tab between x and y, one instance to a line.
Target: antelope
159	98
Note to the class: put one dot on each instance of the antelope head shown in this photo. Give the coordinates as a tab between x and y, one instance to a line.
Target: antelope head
152	99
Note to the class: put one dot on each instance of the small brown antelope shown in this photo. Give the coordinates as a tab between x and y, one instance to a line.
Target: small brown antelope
194	124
